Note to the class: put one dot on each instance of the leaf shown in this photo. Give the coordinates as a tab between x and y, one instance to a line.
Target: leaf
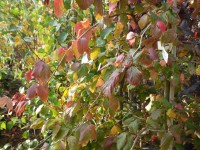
169	36
95	53
110	84
118	29
32	91
171	114
72	143
87	132
37	124
60	53
84	4
144	20
58	8
156	114
62	37
69	55
55	130
166	142
133	126
82	45
114	103
75	49
176	131
112	7
6	101
108	142
179	106
119	60
105	32
153	53
28	75
61	134
98	11
161	26
121	140
42	92
182	78
133	76
41	72
115	130
131	38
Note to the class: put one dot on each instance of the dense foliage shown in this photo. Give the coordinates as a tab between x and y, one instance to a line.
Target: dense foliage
100	74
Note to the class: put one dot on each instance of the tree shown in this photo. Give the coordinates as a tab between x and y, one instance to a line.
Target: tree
117	74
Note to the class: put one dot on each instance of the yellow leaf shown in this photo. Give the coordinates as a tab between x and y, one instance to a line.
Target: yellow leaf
182	53
30	60
198	70
118	29
115	130
171	114
94	54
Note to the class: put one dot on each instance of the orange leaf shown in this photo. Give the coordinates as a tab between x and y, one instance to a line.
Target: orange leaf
69	55
42	92
75	49
28	75
58	8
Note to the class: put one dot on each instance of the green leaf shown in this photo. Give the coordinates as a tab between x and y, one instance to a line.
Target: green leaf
106	32
100	42
37	124
2	125
61	134
56	129
72	143
134	126
62	37
166	142
156	114
83	70
121	140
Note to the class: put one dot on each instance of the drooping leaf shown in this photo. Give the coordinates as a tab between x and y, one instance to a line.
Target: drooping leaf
121	140
87	132
82	45
41	72
112	7
84	4
110	84
28	75
58	8
42	92
119	60
166	141
133	76
32	91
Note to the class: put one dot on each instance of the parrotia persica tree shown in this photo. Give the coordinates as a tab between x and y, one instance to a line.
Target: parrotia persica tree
102	74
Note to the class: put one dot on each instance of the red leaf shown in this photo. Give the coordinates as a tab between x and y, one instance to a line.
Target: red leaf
82	25
60	53
133	76
75	49
170	1
87	132
58	8
84	4
28	75
87	35
112	7
32	91
19	109
42	92
69	55
153	54
110	84
161	26
41	72
82	46
119	60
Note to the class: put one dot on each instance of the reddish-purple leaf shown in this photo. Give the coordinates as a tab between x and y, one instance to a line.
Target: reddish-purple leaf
153	54
28	75
82	46
133	76
19	109
58	8
41	72
161	26
109	141
69	55
46	2
42	92
84	4
128	61
179	106
111	83
32	91
112	7
87	133
119	59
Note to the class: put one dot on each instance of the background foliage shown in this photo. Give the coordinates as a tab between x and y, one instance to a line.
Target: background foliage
99	74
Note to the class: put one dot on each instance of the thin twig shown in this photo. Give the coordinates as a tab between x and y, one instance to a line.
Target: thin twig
138	136
141	37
